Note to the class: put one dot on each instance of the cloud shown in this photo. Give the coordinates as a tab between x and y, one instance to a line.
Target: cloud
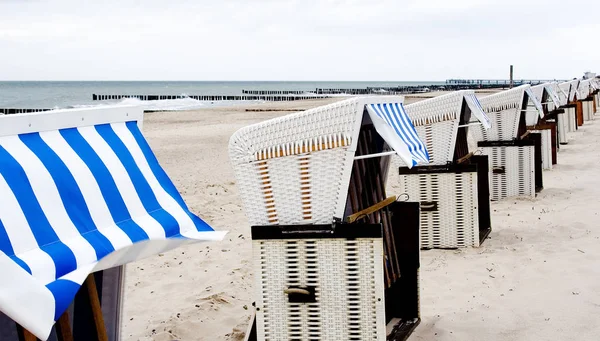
295	40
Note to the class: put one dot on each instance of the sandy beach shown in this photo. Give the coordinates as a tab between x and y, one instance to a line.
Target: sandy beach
536	278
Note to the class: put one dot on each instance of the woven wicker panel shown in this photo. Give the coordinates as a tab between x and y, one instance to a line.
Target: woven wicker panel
563	94
348	276
504	110
571	119
546	147
296	168
583	91
455	223
436	121
563	127
570	88
588	110
531	115
518	178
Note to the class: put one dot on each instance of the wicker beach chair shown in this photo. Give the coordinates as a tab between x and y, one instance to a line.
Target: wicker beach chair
454	188
304	178
571	109
585	99
516	166
81	194
595	83
566	120
545	124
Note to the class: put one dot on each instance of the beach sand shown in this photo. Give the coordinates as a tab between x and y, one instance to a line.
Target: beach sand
536	278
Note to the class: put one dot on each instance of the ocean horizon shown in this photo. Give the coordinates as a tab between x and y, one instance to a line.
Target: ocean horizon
75	94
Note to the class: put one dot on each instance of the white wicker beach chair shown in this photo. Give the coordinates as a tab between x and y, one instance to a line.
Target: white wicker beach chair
453	212
584	95
545	125
80	192
296	175
511	158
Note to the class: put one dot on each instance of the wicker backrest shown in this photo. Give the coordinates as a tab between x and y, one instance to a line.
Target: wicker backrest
436	121
504	109
584	89
570	88
296	169
531	115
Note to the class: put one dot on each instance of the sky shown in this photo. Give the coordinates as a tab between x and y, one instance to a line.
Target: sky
279	40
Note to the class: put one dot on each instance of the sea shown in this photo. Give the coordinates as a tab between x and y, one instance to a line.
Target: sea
78	94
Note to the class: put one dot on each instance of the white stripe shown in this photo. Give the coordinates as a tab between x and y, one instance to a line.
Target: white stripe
123	182
409	134
89	189
140	251
167	202
46	192
21	237
24	300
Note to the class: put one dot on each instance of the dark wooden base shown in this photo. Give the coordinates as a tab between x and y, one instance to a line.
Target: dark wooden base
401	330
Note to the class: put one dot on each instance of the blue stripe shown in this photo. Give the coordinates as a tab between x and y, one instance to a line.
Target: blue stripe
422	151
145	193
17	180
110	192
6	247
70	194
403	129
64	292
398	128
162	177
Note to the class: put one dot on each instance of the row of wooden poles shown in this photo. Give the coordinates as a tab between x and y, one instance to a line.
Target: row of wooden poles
9	111
269	98
293	95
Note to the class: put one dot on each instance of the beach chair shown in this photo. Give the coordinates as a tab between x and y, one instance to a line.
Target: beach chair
334	257
453	188
573	111
585	99
595	83
81	194
515	154
545	125
566	120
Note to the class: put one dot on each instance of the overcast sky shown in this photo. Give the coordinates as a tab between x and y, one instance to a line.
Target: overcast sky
395	40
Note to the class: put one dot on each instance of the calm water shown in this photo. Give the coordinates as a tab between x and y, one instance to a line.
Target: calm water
32	94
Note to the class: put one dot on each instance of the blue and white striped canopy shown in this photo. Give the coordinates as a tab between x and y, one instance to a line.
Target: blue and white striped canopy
395	127
78	200
477	111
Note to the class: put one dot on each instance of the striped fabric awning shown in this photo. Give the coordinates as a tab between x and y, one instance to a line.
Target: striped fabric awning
477	110
550	89
395	127
537	103
78	200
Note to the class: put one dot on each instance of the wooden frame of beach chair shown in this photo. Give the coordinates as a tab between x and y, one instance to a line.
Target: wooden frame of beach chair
454	189
315	198
45	143
511	149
